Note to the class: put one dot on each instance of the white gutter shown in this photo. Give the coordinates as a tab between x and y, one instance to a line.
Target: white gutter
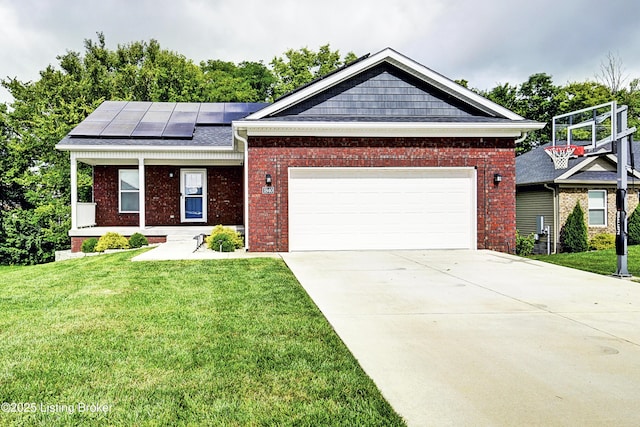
245	144
368	129
145	148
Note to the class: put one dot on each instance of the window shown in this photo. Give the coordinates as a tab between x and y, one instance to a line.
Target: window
129	190
598	208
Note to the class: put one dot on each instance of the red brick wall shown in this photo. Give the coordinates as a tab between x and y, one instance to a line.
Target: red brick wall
105	196
225	187
268	219
224	191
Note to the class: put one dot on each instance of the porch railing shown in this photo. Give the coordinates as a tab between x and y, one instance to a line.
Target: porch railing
86	215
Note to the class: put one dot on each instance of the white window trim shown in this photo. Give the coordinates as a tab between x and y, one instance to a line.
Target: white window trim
604	208
120	190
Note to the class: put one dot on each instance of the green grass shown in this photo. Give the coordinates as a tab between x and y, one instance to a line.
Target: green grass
221	342
601	262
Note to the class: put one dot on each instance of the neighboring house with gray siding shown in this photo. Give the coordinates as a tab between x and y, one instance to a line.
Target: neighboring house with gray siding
542	190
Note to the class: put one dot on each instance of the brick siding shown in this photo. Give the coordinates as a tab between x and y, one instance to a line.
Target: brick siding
569	196
224	188
268	218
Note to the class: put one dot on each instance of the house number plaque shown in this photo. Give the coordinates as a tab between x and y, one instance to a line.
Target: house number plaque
268	190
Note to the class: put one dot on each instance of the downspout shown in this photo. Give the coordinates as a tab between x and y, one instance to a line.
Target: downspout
555	217
246	186
522	138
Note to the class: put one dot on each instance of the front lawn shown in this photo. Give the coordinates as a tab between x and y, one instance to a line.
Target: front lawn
601	262
102	340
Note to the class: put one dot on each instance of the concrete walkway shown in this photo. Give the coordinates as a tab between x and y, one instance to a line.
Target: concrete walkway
185	250
478	338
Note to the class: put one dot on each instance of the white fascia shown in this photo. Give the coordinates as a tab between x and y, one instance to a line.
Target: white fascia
387	129
141	148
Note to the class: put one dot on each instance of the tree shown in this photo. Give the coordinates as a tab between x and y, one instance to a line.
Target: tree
612	73
537	100
578	95
302	66
35	177
245	82
505	95
633	227
573	235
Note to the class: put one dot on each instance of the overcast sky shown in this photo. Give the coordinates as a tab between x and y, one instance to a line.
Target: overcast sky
486	42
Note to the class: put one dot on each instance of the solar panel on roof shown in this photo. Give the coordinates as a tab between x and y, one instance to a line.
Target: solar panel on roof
231	116
159	119
126	116
122	129
162	106
178	130
101	115
210	118
236	107
137	106
111	105
149	130
187	106
183	117
89	128
212	107
156	116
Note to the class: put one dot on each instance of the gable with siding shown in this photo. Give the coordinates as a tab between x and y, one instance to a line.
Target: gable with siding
383	91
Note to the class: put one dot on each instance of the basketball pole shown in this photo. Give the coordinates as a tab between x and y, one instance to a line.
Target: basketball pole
621	136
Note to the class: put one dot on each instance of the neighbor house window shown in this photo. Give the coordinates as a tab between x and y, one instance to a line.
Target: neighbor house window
129	190
597	208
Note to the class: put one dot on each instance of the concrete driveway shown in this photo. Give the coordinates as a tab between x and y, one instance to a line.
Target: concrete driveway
482	338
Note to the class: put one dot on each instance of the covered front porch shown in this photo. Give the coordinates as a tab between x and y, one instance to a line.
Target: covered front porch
157	188
159	168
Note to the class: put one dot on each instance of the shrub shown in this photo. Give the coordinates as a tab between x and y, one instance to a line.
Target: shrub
137	240
224	237
524	244
573	234
633	227
89	245
112	240
602	241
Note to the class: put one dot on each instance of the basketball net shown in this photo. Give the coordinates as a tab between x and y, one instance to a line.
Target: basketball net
560	155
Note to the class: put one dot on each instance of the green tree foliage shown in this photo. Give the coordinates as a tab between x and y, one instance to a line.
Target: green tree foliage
302	66
539	99
573	235
227	82
35	177
505	95
535	99
633	227
578	95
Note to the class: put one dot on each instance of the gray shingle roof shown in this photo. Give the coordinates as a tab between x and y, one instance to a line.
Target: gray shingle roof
203	136
536	167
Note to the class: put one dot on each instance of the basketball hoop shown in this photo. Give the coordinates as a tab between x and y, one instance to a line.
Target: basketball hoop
560	155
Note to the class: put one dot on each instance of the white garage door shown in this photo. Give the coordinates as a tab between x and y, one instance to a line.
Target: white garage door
382	208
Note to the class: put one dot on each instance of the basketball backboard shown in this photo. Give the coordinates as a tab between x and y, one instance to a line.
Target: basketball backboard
592	128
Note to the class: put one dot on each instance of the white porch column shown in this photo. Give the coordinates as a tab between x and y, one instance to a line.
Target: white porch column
74	191
141	192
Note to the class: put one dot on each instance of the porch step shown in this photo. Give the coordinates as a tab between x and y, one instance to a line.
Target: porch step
181	237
